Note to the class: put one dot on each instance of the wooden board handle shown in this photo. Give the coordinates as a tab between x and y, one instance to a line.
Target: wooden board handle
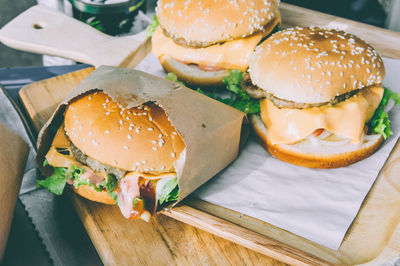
46	31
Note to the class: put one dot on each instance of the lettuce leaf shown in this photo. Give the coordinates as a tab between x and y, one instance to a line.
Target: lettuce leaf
75	173
152	26
56	182
172	77
167	190
380	123
238	98
111	185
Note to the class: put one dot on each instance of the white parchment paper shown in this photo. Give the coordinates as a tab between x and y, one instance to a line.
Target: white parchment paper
316	204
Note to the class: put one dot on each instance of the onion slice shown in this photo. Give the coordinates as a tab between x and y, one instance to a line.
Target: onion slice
389	105
324	134
334	143
372	137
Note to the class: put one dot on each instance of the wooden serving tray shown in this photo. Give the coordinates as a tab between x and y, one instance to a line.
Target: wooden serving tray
373	238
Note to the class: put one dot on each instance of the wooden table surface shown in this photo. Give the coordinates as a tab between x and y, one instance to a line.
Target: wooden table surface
165	240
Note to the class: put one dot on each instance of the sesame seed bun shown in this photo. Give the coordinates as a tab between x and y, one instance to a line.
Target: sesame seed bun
139	139
314	65
90	193
315	156
206	22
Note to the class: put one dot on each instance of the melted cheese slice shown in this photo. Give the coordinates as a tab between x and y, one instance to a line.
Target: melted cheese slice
229	55
346	119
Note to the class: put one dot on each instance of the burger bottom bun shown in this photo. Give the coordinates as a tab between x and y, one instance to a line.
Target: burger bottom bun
191	74
306	154
89	193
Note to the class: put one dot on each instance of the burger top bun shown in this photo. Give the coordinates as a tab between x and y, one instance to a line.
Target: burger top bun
137	139
212	21
314	65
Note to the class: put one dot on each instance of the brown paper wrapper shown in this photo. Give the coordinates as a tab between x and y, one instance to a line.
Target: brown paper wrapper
211	130
13	154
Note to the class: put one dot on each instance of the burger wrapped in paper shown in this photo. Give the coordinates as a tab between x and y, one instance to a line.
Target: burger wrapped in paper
322	101
128	138
200	41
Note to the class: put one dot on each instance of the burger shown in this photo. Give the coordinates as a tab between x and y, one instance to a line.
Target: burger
321	97
201	41
113	155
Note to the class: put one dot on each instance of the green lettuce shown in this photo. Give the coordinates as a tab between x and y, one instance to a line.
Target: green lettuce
172	77
110	185
56	182
152	26
238	98
75	174
167	190
380	123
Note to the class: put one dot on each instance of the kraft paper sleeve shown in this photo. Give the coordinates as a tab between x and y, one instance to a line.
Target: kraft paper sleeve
211	130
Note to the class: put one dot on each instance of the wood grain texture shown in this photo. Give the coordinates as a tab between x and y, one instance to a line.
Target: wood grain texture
373	238
43	30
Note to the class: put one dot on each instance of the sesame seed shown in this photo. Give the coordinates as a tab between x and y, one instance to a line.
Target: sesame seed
150	129
143	162
161	142
173	154
154	148
154	142
115	162
160	136
125	147
138	163
107	131
121	122
107	113
137	129
90	133
90	98
95	143
129	136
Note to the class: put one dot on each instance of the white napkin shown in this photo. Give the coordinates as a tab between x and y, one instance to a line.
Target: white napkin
316	204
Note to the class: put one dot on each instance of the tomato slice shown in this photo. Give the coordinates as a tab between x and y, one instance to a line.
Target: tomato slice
147	190
318	132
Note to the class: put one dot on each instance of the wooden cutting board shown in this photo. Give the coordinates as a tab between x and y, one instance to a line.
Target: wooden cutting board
43	30
374	236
